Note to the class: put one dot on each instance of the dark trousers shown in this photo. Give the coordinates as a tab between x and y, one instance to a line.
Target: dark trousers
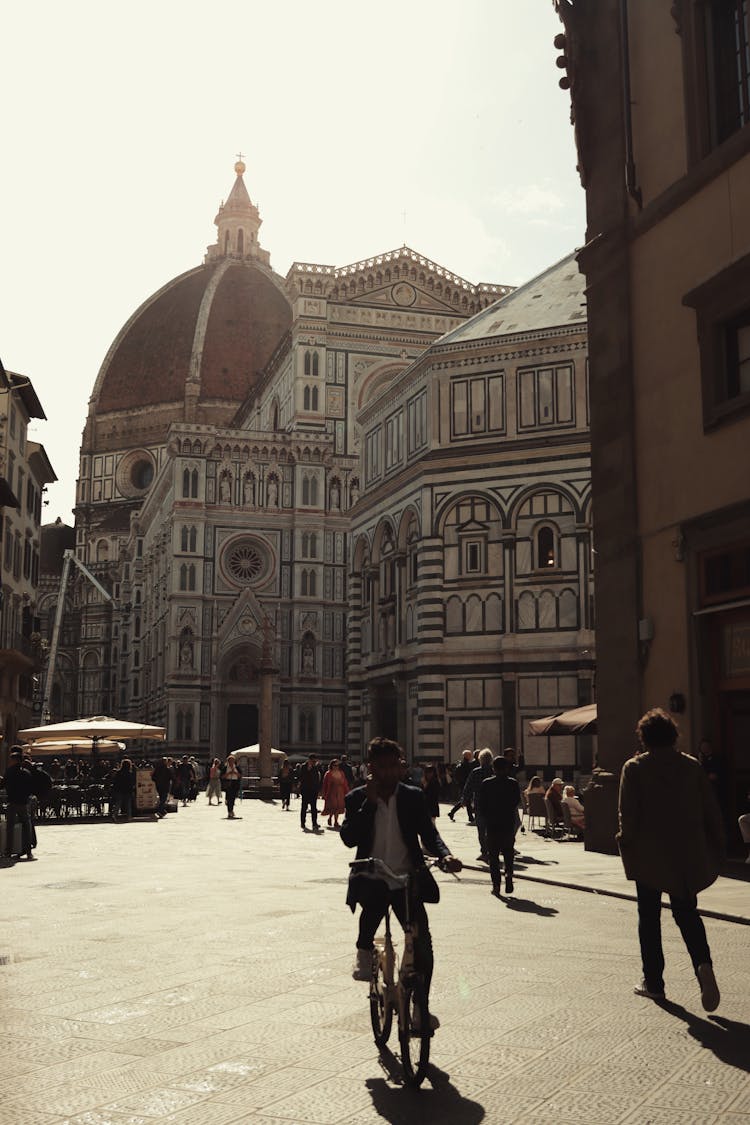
285	792
374	896
161	808
689	922
497	843
311	803
463	804
18	814
481	824
232	791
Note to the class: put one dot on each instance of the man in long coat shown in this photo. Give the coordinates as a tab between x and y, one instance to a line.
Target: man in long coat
671	839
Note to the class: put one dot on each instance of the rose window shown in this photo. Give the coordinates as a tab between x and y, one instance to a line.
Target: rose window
244	562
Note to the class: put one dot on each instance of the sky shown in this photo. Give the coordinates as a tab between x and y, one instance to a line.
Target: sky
363	127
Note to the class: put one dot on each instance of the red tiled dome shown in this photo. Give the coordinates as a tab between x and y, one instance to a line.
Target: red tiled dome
218	325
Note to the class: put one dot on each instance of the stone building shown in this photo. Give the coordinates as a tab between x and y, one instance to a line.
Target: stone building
279	484
25	471
470	606
661	97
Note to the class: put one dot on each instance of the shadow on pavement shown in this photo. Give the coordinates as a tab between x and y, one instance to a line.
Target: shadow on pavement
526	860
528	906
438	1100
728	1039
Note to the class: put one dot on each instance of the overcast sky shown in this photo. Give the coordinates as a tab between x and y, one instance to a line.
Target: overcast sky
363	126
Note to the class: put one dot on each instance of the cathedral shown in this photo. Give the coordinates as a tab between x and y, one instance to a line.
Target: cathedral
348	501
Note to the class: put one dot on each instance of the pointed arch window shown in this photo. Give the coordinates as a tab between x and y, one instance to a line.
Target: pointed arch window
314	492
308	363
315	397
240	241
186	483
306	399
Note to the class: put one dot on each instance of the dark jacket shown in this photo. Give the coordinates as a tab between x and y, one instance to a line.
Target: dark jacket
671	835
124	781
19	784
474	780
358	830
309	782
499	798
162	776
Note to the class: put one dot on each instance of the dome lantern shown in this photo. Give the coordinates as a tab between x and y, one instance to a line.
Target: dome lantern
238	223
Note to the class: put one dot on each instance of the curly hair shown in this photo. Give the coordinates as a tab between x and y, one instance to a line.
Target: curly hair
657	729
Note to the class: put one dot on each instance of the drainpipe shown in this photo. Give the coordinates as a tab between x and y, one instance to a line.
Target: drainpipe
630	177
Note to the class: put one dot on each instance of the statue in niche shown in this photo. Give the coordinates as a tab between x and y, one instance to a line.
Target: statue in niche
186	654
308	659
273	493
354	493
225	489
248	491
335	496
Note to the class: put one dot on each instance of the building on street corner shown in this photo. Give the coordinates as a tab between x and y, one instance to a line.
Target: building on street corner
660	104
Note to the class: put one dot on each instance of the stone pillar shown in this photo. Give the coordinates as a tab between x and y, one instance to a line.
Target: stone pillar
265	724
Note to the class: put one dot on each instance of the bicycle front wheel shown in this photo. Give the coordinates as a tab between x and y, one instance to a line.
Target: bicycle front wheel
414	1037
381	1012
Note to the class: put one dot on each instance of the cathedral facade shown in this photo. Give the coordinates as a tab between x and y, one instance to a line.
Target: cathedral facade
296	482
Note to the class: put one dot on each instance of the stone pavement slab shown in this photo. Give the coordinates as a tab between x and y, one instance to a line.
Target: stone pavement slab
196	971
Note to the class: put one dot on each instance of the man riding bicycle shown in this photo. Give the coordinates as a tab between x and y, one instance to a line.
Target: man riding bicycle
386	819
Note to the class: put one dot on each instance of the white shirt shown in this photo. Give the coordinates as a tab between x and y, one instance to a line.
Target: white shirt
388	842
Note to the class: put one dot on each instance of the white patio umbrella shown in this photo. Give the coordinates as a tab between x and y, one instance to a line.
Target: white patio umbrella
254	752
41	748
93	729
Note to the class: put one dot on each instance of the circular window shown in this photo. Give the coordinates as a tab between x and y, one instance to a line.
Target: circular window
142	474
245	562
135	473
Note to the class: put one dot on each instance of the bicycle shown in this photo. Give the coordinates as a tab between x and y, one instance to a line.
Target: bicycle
399	988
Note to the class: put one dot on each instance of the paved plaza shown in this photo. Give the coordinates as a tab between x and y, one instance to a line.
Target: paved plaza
196	971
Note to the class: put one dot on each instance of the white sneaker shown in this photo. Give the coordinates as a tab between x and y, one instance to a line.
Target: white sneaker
642	989
362	969
710	995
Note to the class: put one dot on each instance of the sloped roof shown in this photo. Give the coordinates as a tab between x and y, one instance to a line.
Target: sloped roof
553	299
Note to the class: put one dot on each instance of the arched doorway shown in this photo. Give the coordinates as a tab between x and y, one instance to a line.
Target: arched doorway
242	726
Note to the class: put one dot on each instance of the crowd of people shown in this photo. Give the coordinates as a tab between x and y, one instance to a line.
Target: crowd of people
390	810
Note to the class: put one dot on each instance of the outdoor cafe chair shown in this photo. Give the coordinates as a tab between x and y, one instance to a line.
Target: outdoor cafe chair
570	829
553	825
535	809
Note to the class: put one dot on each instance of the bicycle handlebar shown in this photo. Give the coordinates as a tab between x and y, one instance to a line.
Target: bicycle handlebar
372	864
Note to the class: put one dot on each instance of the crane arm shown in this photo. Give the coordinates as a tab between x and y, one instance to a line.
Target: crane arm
68	558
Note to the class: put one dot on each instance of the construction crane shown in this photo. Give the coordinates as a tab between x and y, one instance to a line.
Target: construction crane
68	558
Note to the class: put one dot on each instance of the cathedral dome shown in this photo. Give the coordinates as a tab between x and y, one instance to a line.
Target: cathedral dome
202	339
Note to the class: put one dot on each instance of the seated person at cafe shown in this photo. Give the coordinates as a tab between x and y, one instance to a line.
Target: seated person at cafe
554	796
536	785
577	814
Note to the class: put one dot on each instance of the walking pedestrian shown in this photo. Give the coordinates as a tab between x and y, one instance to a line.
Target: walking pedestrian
123	789
162	777
231	779
460	776
499	797
479	774
431	787
309	785
335	789
673	846
19	786
213	788
285	786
